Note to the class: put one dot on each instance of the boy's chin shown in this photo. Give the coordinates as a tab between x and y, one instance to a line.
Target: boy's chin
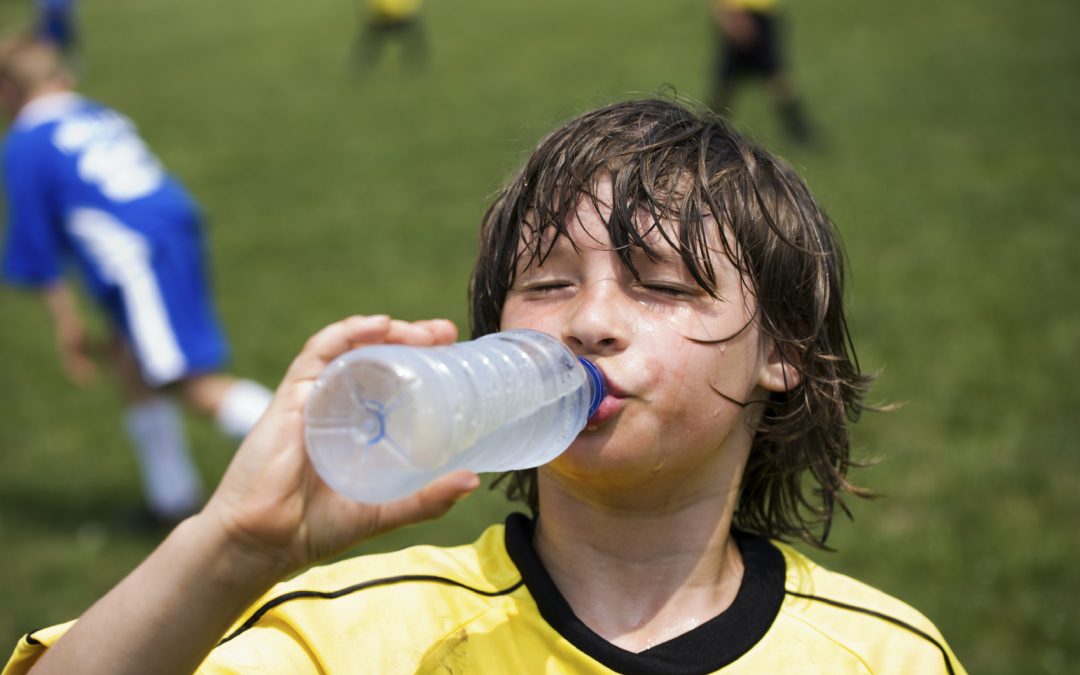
594	459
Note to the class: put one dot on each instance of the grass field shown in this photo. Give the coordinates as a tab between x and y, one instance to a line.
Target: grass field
951	167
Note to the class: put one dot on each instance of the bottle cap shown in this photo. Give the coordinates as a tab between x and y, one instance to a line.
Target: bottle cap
599	390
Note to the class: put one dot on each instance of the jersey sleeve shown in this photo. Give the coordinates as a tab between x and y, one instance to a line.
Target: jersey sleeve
31	647
32	246
274	649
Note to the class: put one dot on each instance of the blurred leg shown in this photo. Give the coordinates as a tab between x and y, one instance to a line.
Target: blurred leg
790	110
725	72
154	424
235	404
415	43
369	45
170	480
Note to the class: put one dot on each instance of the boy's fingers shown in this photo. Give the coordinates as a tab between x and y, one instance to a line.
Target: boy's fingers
430	502
442	330
355	331
420	333
80	371
334	340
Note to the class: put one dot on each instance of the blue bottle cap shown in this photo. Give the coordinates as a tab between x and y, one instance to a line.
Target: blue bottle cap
599	390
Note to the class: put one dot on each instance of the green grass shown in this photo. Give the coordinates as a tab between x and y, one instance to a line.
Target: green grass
950	167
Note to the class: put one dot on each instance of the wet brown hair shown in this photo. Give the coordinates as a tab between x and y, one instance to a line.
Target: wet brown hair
671	162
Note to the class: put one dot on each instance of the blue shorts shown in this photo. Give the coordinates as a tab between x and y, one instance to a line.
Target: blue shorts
157	295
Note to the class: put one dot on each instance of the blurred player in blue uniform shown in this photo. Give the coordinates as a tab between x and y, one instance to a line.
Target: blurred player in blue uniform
83	190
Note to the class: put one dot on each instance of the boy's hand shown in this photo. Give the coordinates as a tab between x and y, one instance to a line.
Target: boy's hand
75	350
76	357
273	506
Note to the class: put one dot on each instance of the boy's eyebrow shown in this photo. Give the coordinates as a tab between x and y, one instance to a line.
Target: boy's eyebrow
537	250
659	253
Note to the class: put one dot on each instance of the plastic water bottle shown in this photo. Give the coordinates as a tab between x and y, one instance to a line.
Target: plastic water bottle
385	420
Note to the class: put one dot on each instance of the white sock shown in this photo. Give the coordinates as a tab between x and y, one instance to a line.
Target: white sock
242	406
170	480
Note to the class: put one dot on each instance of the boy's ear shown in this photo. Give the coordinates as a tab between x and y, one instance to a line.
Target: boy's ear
8	92
778	371
10	97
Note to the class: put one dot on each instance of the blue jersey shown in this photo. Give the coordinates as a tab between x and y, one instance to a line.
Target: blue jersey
81	186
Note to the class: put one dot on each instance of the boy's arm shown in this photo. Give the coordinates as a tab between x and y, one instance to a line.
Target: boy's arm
70	333
271	515
32	247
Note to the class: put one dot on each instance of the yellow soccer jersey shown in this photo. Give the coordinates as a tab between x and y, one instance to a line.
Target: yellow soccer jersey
394	9
763	6
490	607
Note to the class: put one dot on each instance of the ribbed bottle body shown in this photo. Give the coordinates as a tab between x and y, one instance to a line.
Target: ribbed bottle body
385	420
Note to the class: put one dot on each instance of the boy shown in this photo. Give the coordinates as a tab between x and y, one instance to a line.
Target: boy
749	44
81	186
701	277
391	21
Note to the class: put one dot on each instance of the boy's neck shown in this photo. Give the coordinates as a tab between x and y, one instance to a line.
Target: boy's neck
48	88
637	578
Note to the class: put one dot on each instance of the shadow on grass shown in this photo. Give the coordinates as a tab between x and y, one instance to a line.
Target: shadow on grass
29	508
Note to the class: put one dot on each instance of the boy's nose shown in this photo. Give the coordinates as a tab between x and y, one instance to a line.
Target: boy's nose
597	323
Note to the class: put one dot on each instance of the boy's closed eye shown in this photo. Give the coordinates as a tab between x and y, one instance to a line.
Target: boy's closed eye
543	286
548	286
666	277
668	289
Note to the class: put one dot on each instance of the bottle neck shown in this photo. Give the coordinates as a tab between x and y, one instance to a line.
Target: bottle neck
597	389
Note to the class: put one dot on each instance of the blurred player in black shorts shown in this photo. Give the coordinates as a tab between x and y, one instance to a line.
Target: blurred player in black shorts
391	21
750	45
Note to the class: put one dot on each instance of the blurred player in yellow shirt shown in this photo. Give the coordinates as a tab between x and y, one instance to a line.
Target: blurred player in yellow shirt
386	21
750	45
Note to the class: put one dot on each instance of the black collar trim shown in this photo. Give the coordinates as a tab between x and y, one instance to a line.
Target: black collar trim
708	647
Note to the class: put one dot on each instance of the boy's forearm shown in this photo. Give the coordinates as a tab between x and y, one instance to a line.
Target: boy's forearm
169	612
61	303
67	323
75	356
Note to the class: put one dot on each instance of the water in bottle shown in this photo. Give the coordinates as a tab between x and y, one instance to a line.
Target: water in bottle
385	420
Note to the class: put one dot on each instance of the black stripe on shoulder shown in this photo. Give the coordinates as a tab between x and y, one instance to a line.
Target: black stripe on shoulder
31	640
330	595
884	617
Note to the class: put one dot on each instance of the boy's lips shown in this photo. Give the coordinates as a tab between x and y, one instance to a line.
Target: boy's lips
610	406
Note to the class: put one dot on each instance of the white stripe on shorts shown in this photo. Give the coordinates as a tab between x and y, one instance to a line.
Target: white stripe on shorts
123	257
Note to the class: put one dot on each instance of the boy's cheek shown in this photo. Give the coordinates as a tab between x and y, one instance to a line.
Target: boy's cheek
520	315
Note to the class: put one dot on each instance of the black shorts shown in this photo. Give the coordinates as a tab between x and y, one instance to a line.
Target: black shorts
760	57
393	24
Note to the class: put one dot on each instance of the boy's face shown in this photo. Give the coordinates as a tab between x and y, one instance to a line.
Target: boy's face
663	422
